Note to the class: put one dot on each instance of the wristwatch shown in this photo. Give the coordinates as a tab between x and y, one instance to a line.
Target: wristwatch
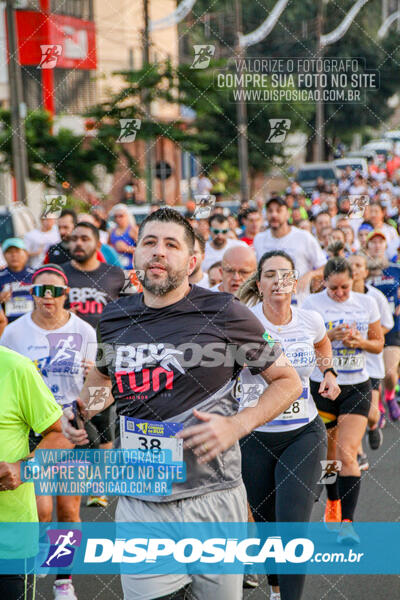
330	370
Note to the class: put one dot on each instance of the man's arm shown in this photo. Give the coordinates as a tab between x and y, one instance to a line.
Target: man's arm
94	379
10	473
3	321
217	433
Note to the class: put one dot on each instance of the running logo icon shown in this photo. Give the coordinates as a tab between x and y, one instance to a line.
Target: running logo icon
54	204
279	130
203	54
330	471
358	204
204	204
63	543
129	129
50	54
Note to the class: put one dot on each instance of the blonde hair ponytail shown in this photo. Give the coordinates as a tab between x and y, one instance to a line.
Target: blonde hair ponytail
248	291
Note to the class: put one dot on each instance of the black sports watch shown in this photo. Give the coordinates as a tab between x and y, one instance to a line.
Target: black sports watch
330	370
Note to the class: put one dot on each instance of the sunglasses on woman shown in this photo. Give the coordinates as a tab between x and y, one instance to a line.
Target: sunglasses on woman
55	290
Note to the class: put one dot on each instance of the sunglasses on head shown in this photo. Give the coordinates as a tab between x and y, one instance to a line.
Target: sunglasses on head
55	290
217	231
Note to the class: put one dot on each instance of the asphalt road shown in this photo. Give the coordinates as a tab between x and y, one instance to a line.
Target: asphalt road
379	501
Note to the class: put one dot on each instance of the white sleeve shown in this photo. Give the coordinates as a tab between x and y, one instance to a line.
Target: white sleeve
317	255
374	314
319	325
90	343
385	311
6	339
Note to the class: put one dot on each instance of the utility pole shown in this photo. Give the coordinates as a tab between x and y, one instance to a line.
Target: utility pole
147	104
241	114
319	145
17	107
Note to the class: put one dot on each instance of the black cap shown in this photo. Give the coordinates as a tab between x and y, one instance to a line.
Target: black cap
278	199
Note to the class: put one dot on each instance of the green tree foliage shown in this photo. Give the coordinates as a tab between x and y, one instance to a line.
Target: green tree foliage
62	157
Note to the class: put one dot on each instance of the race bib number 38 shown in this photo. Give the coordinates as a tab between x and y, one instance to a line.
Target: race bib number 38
137	434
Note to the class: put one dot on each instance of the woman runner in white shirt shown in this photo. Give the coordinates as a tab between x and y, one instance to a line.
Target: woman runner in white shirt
353	324
375	364
281	459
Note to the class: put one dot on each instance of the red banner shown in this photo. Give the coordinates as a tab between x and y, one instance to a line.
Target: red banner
56	41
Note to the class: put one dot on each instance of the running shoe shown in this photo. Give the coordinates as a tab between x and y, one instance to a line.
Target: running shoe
394	410
347	534
375	438
363	462
382	421
333	515
97	501
275	596
64	590
250	580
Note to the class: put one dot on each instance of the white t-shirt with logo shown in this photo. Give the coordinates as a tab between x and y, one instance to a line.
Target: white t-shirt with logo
302	247
360	310
214	255
57	353
375	364
36	239
297	338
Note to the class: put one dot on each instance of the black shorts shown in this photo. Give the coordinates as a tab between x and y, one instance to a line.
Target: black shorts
375	383
392	338
353	399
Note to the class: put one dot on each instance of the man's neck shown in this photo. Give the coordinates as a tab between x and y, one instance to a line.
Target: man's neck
219	247
153	301
281	231
359	286
90	265
16	270
195	278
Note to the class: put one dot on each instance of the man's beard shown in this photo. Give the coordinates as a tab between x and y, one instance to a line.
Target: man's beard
218	243
81	258
173	281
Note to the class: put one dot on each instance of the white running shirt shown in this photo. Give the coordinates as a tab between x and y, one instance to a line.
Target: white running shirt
302	247
358	311
57	353
297	338
375	364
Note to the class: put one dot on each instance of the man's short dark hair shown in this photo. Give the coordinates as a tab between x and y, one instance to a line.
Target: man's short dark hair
322	212
217	217
249	211
169	215
90	226
69	212
215	265
201	240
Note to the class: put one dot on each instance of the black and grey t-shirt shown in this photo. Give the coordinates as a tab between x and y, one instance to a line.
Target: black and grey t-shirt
90	291
165	362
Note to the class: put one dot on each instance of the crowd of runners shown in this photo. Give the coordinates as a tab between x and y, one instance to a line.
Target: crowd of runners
302	292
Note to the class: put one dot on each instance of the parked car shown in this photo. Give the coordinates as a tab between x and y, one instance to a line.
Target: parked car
308	174
394	137
382	148
356	163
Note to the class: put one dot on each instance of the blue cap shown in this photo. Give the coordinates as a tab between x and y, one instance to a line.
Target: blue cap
13	243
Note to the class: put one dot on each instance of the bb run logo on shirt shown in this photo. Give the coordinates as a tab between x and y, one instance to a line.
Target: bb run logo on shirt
129	360
87	300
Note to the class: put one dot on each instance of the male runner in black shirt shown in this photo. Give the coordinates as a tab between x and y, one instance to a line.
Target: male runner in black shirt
92	284
59	254
172	355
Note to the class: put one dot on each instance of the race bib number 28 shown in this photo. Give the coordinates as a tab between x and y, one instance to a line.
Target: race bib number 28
137	434
296	413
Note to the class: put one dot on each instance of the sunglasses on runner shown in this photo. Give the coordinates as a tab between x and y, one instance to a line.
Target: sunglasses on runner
217	231
55	290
